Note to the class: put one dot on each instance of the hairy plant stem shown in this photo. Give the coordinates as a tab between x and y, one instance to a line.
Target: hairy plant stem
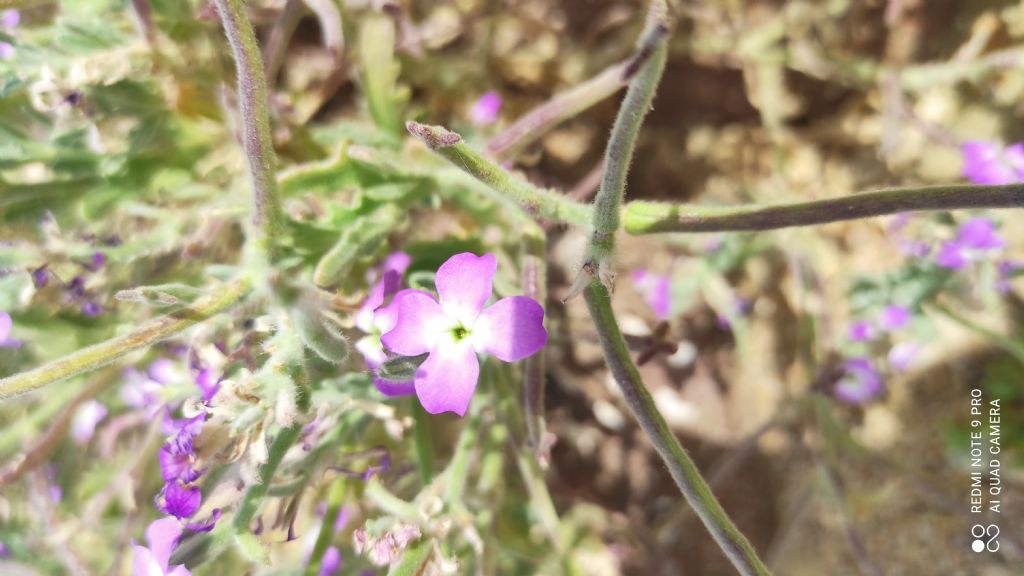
535	286
99	355
542	203
654	217
253	497
267	215
680	466
651	57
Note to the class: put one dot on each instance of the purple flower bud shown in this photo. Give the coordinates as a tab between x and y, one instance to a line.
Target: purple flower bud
979	234
88	415
861	331
331	562
486	109
97	261
656	290
91	309
6	323
951	255
41	276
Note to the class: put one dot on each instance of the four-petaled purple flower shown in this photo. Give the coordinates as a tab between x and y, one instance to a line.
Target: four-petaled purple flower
974	237
5	332
374	318
162	536
454	328
486	109
860	383
656	290
990	163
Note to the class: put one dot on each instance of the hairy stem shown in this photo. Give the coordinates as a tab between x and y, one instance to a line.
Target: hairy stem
99	355
680	466
650	60
546	204
653	217
534	286
267	216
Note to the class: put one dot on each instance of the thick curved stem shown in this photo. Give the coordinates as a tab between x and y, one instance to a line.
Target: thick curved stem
680	466
267	216
104	353
654	217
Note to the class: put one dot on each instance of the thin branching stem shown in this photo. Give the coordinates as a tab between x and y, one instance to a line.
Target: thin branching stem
680	466
267	215
655	217
99	355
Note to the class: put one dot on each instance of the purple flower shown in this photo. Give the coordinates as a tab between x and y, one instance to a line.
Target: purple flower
453	329
893	317
88	415
41	276
91	309
208	384
375	319
179	500
486	109
860	383
990	163
861	331
974	237
5	332
162	536
656	289
97	261
1007	269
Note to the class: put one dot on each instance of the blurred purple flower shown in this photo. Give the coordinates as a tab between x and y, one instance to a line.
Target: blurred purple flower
91	309
5	332
990	163
861	331
656	290
974	237
860	383
902	355
486	109
455	327
1006	270
331	562
5	551
162	536
893	317
41	276
208	383
88	415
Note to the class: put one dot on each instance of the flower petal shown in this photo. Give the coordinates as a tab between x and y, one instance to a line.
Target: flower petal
5	326
511	329
464	285
162	536
143	562
180	501
446	380
420	323
394	388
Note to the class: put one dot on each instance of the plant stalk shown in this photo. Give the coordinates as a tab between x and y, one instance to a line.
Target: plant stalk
99	355
683	470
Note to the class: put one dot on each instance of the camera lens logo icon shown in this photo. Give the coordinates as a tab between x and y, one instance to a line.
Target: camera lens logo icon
986	538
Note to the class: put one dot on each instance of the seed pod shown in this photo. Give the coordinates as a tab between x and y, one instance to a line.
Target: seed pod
401	368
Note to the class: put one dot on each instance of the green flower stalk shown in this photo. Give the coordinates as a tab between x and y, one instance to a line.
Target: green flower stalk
267	215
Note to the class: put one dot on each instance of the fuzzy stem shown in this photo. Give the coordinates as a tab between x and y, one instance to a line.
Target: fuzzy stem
564	105
537	201
651	56
534	286
99	355
653	217
424	442
680	466
267	216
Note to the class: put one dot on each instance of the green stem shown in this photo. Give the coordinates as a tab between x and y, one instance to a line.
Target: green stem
680	466
534	286
653	217
537	122
458	469
539	202
651	58
267	216
250	504
1013	347
335	499
99	355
